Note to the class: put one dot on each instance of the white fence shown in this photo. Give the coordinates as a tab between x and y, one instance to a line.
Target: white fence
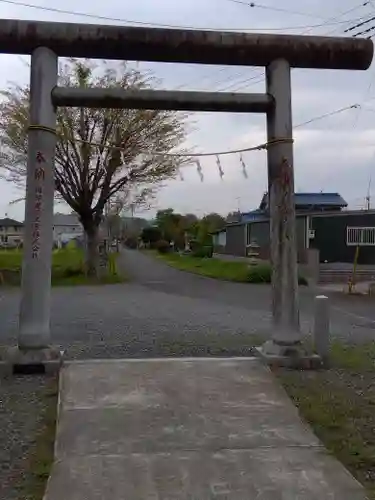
360	236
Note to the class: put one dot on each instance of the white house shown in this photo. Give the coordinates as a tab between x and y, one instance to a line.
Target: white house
219	238
66	227
11	233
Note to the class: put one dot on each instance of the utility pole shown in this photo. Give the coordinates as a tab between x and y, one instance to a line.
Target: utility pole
238	199
368	197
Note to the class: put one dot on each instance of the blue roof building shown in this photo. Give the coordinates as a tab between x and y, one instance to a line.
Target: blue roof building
314	202
304	202
321	224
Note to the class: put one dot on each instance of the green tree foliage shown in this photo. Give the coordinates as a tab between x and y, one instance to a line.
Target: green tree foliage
176	227
151	235
209	224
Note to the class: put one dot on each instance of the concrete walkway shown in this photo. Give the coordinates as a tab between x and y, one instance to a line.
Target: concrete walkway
186	430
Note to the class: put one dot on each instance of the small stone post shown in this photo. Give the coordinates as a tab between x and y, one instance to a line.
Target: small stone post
321	327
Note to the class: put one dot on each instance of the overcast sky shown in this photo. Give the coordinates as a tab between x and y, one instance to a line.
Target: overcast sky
333	154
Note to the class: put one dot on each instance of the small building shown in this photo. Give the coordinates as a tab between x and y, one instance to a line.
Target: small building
11	233
322	222
219	240
66	227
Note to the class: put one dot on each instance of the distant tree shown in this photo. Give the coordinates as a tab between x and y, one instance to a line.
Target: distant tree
213	222
150	235
171	226
190	223
176	227
233	216
209	224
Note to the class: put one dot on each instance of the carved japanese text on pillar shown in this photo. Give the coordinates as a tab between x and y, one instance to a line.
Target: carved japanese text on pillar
285	180
38	202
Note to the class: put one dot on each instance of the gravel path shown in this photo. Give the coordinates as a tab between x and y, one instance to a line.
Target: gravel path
163	311
23	402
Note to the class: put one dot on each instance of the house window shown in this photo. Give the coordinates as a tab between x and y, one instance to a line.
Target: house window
360	236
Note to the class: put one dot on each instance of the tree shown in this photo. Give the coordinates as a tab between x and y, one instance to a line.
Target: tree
213	222
151	235
190	224
168	223
208	224
233	217
101	153
176	227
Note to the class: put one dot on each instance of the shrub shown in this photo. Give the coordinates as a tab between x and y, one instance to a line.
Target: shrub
194	244
72	271
151	235
262	273
203	252
162	246
60	272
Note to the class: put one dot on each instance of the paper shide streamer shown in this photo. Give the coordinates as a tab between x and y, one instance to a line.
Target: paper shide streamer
243	165
180	174
219	167
221	171
199	170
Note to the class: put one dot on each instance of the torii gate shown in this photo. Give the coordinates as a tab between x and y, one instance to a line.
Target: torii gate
46	41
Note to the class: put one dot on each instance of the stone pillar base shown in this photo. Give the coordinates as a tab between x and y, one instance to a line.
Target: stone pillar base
47	360
288	356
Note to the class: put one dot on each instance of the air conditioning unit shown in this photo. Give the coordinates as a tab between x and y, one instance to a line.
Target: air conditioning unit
311	234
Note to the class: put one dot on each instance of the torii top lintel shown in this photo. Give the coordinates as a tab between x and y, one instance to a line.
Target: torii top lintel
184	46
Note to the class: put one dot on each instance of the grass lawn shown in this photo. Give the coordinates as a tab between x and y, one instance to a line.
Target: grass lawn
214	268
339	404
67	268
220	269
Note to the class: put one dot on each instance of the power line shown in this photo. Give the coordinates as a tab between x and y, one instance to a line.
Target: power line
365	32
257	147
228	80
254	71
265	145
202	78
346	12
360	24
235	86
326	115
278	9
160	25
